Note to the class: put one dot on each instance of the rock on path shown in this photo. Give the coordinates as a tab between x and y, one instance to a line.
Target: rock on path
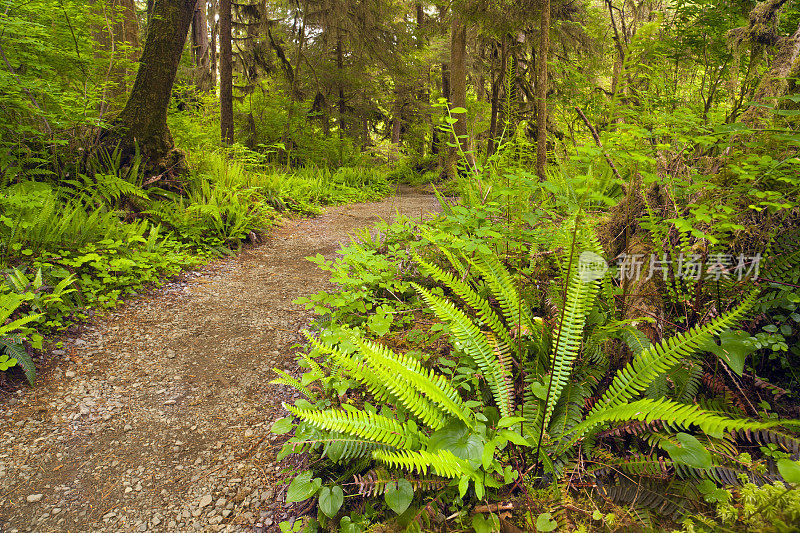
157	418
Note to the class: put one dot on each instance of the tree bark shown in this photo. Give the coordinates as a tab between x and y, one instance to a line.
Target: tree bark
200	48
226	72
541	92
458	84
775	82
340	76
143	121
212	16
498	79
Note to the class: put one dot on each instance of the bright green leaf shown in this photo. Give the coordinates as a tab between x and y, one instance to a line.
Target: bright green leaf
398	496
331	500
689	451
545	522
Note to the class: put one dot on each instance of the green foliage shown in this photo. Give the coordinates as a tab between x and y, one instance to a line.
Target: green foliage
12	334
772	507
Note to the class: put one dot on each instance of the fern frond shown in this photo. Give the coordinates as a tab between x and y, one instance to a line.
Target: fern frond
18	352
476	345
657	359
650	495
377	384
340	447
638	465
374	483
444	463
465	291
568	336
364	424
502	286
789	443
673	414
407	379
291	381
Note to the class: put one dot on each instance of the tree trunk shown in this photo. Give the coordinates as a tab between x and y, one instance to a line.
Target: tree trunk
118	27
340	77
144	119
541	92
498	79
775	82
293	75
200	48
212	16
225	72
438	144
458	84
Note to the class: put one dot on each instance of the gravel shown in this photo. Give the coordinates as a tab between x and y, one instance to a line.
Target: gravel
156	417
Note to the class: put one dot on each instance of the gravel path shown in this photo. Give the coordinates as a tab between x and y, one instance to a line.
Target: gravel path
157	417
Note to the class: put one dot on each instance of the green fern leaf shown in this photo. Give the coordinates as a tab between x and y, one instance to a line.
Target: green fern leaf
465	291
406	376
444	463
672	413
637	375
476	345
18	352
364	424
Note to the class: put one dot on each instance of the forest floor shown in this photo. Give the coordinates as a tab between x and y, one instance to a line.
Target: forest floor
157	416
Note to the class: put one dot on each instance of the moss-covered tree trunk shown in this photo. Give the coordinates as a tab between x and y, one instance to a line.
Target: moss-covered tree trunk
541	91
458	87
200	48
143	122
226	72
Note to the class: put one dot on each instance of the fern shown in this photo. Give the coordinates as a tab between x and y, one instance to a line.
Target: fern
12	345
672	413
443	462
429	396
465	291
639	373
476	345
364	424
290	381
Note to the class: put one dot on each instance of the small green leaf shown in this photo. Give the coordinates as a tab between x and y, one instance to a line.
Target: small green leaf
545	522
488	454
510	421
539	390
302	487
516	438
689	452
481	524
398	496
789	470
331	500
458	110
282	426
734	347
463	485
597	515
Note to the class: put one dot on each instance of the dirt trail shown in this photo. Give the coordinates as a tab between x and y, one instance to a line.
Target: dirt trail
157	417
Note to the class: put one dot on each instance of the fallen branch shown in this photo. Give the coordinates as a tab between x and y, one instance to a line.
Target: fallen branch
598	143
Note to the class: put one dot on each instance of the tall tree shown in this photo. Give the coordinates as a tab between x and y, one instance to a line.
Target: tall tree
143	122
200	48
226	72
458	82
541	91
212	16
